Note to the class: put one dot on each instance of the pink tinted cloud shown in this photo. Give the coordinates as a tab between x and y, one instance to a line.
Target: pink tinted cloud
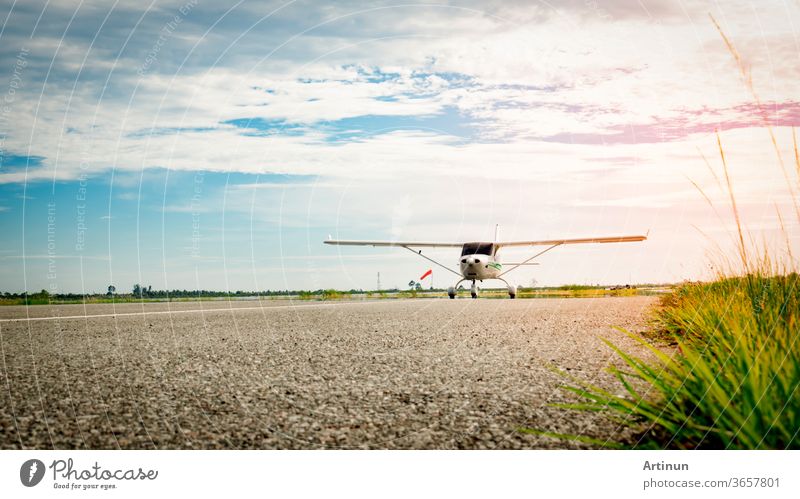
690	121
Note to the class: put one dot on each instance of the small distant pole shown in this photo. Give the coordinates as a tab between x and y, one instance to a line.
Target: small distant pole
379	281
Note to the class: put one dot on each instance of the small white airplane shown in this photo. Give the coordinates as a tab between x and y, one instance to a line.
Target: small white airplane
479	259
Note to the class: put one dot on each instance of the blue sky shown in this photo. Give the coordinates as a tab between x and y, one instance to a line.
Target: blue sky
218	144
148	228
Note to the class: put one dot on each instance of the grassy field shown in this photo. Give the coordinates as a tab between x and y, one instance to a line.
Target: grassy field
90	299
582	292
733	381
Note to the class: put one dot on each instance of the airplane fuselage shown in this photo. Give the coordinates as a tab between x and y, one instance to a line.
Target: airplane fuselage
479	261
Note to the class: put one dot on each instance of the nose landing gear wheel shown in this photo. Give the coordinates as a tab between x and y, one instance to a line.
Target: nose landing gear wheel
474	295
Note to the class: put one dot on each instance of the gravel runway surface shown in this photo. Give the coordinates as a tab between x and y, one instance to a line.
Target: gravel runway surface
417	374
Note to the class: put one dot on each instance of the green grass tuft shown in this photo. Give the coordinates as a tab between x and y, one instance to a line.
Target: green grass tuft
733	382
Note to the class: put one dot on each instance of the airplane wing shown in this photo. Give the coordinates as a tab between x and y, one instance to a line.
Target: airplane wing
417	244
552	242
430	244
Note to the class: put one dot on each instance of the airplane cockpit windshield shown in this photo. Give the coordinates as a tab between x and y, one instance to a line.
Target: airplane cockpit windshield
478	249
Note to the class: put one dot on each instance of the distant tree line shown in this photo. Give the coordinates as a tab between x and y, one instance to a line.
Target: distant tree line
140	292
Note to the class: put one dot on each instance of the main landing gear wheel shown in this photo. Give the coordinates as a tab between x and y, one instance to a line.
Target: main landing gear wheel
453	290
512	290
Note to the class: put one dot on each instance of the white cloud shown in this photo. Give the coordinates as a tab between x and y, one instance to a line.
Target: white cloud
565	74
